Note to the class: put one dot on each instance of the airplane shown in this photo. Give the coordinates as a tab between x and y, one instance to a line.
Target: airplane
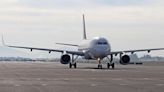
96	48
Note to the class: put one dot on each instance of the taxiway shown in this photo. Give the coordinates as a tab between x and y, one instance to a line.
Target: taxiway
54	77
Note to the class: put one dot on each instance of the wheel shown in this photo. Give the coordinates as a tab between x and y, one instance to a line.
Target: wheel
70	65
112	65
75	65
99	66
108	65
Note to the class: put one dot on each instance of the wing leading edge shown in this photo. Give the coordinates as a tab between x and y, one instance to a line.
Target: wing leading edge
50	50
133	51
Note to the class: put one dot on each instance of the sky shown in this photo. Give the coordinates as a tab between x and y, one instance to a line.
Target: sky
127	24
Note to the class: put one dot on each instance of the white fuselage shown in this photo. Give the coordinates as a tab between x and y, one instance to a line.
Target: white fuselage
95	48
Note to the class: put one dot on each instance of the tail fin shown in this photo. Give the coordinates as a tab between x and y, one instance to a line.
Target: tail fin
84	28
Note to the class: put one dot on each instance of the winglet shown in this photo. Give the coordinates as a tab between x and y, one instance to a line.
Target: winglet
84	28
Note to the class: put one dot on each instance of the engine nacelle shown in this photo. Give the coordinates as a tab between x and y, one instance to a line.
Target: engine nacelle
65	59
124	60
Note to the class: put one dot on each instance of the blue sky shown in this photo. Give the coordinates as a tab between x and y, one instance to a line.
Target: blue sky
127	24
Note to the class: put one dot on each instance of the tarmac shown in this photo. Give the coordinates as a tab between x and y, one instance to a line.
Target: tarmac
54	77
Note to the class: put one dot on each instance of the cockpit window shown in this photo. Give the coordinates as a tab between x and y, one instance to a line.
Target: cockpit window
102	43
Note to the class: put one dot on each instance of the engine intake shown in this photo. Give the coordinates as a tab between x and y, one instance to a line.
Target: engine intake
125	59
65	59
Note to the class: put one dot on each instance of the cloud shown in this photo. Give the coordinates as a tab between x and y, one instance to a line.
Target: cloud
46	20
55	3
8	1
40	13
125	2
86	3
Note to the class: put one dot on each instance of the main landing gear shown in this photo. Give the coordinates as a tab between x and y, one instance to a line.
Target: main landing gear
110	63
73	63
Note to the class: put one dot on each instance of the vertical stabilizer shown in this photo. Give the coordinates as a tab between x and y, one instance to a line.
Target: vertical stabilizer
84	28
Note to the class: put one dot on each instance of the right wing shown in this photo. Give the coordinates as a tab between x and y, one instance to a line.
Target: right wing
46	49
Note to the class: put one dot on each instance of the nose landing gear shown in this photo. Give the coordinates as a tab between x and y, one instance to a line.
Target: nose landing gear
99	65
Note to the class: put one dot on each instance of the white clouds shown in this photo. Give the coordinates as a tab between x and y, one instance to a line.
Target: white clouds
8	1
56	3
43	14
36	12
87	3
103	17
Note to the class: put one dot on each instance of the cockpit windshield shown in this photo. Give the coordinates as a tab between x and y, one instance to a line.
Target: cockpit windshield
102	43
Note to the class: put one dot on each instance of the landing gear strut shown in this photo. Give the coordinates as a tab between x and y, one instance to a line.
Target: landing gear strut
99	65
110	63
73	63
70	65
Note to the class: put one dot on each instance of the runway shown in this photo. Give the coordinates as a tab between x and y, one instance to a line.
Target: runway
54	77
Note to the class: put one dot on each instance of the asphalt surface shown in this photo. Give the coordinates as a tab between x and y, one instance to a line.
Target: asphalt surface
54	77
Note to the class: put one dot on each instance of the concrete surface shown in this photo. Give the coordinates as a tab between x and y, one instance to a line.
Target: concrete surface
54	77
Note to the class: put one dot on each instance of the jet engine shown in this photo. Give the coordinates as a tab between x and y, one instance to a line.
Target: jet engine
65	59
124	60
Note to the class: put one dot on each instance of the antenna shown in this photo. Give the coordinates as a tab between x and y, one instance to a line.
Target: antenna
84	28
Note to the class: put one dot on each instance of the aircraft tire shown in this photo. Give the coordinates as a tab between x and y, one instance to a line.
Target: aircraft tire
75	65
99	66
70	65
108	65
113	66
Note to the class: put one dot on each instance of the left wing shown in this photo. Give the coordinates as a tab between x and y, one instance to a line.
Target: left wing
50	50
133	51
